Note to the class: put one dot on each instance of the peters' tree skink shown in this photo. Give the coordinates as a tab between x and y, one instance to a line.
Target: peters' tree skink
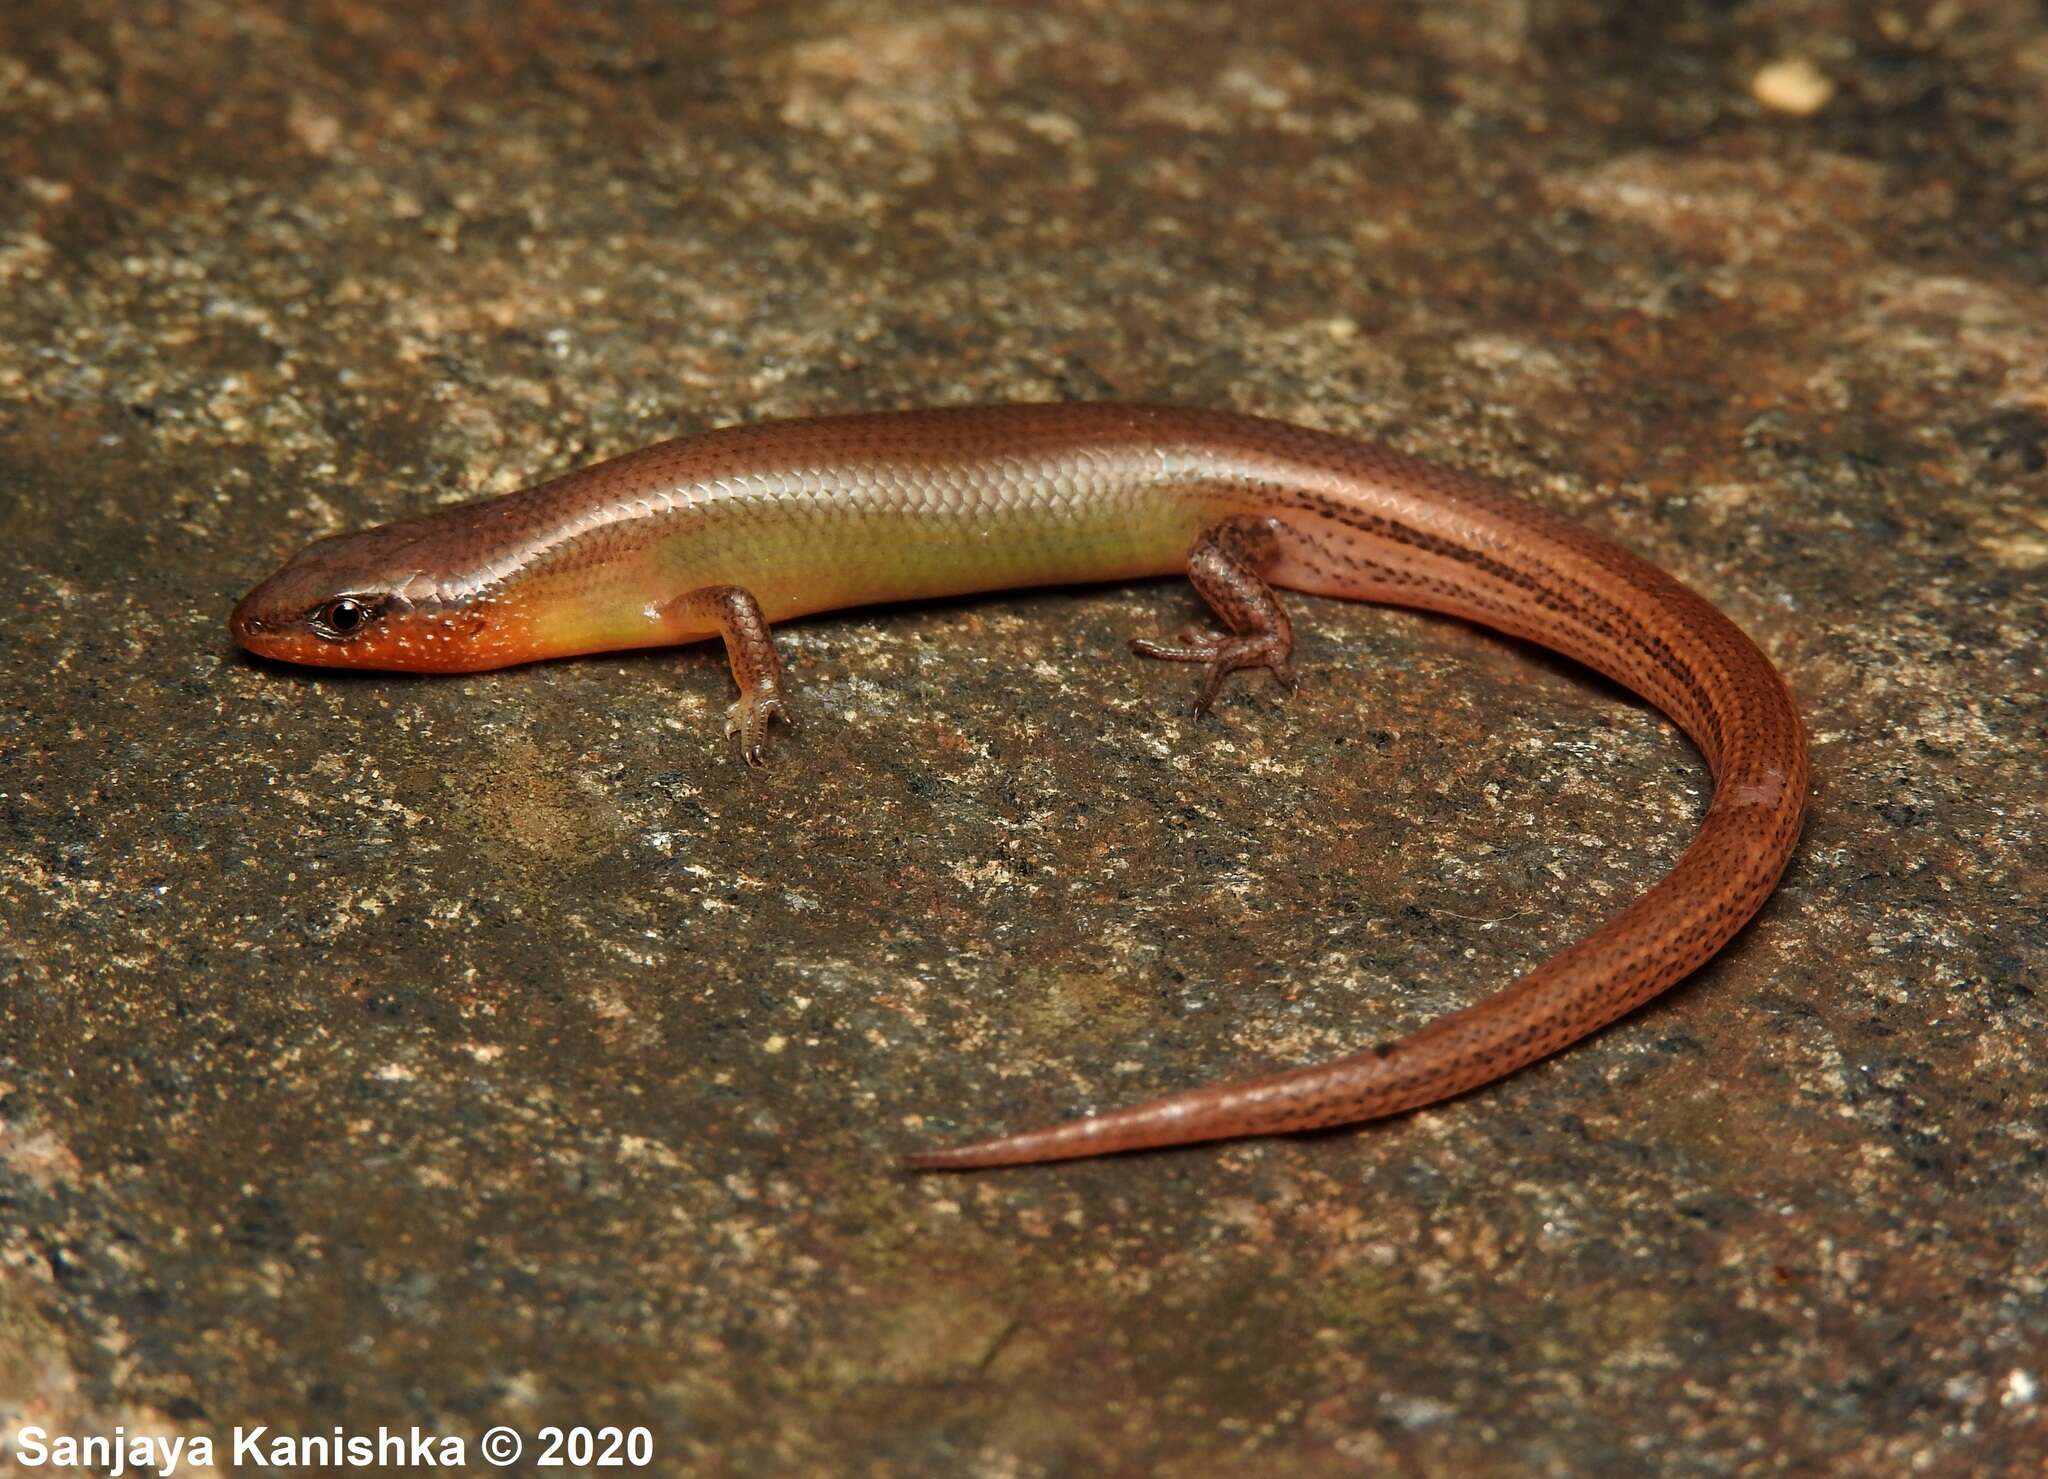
722	534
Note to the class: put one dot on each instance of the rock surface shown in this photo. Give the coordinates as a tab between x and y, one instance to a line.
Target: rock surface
451	1053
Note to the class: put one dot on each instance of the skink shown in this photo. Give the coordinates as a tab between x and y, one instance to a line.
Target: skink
721	535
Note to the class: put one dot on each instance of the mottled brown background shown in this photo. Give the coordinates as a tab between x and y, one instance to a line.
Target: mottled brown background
458	1052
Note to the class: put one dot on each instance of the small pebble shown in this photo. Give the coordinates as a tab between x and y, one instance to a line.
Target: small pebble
1792	85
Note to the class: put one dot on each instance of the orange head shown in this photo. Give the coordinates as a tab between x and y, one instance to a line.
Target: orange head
374	600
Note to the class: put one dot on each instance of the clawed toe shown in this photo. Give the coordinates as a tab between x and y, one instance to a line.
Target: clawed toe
1193	647
749	720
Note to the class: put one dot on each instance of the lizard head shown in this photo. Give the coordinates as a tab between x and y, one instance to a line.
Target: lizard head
362	600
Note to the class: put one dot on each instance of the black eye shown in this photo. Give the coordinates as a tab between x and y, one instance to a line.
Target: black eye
342	617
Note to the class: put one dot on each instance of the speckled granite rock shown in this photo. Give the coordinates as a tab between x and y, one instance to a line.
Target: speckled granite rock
498	1050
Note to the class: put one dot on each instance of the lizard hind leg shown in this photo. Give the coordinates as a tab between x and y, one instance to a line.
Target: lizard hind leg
1227	566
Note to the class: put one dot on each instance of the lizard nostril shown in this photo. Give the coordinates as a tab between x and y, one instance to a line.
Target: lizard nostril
244	622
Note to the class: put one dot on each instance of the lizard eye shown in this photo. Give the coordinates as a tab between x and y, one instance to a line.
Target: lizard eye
343	617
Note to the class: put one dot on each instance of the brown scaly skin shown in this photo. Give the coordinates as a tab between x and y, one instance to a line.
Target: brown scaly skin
722	534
